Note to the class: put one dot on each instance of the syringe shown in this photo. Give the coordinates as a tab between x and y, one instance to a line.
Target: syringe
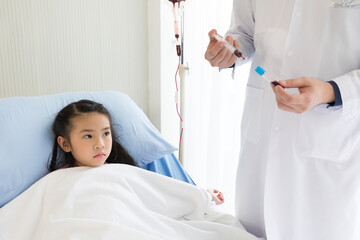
262	73
228	45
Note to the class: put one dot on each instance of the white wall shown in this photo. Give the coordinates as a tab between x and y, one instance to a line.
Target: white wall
50	46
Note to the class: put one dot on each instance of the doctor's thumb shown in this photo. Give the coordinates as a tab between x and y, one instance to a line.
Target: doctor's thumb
211	33
294	83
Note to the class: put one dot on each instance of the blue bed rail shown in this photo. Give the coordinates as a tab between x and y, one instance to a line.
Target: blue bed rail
169	166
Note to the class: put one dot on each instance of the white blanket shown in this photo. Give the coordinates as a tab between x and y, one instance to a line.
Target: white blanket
115	201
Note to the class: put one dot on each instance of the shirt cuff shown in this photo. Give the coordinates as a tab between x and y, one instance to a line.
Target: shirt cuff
338	100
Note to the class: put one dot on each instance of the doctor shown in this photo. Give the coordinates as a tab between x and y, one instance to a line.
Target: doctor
299	170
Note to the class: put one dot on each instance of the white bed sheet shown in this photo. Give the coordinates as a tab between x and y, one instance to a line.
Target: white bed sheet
115	201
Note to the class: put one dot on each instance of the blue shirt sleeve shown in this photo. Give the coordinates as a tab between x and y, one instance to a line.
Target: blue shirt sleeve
338	100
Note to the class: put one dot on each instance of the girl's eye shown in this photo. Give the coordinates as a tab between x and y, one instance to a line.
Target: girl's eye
87	136
106	133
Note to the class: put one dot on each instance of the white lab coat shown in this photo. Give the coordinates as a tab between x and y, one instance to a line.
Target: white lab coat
299	174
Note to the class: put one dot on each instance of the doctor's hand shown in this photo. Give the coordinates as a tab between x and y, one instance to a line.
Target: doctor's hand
312	92
217	54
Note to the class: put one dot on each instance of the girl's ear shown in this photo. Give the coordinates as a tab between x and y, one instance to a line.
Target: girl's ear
63	144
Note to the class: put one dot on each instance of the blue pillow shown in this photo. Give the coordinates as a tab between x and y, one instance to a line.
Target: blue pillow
26	137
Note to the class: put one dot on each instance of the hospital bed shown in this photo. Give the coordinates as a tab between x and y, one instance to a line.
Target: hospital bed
156	200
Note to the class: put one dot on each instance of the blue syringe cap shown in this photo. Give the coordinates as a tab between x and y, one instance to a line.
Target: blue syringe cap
260	71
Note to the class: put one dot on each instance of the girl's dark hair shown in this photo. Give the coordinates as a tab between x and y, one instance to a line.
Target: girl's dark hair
62	127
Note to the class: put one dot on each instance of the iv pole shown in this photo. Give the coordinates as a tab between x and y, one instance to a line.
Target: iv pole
183	70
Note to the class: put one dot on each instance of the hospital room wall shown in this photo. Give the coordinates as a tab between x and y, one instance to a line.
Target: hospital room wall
57	46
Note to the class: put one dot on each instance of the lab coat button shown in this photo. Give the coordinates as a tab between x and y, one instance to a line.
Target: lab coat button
277	128
290	53
298	14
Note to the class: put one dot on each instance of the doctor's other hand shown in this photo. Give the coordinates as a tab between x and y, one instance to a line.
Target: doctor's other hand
217	54
312	92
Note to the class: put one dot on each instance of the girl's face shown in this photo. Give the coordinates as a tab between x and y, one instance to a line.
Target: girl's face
90	139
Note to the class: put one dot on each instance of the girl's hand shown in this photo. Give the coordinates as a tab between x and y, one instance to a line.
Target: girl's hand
216	196
312	92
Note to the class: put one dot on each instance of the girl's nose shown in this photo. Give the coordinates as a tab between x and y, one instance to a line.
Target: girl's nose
99	144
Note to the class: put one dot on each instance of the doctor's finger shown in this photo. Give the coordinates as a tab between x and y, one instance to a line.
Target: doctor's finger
236	44
296	103
228	58
222	58
299	102
213	50
281	94
212	39
232	41
211	32
286	107
295	82
289	99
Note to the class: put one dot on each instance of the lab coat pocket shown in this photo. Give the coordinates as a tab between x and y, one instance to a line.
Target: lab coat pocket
268	15
325	134
251	121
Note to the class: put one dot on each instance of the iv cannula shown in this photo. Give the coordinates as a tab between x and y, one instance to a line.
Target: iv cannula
228	45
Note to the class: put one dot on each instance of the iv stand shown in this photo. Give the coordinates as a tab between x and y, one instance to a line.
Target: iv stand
183	71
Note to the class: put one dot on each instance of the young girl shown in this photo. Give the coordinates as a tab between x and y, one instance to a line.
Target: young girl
84	136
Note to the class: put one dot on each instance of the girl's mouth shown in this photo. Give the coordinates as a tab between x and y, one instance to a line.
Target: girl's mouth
99	155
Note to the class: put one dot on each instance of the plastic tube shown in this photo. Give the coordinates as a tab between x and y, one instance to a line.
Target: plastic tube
262	73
